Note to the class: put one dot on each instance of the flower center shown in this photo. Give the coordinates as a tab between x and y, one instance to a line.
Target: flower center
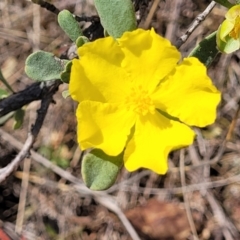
140	101
236	30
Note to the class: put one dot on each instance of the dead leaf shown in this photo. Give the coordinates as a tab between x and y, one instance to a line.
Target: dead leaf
160	220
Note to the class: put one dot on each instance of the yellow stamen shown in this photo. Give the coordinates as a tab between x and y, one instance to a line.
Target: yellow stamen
140	101
236	30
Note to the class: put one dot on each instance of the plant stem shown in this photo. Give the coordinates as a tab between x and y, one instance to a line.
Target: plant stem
4	81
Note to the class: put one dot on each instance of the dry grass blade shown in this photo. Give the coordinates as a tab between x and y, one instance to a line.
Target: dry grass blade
23	196
195	24
204	177
102	198
186	201
154	6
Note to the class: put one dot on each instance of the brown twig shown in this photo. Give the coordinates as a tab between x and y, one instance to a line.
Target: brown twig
150	14
102	197
172	26
178	190
46	101
186	201
36	91
202	176
228	229
23	195
50	7
233	124
195	24
94	31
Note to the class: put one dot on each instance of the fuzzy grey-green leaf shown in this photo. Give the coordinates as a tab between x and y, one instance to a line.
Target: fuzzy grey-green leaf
69	25
44	66
117	16
99	171
81	40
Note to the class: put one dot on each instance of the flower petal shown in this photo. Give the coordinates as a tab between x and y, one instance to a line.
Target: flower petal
104	126
80	87
229	45
99	70
154	137
189	94
233	12
224	29
148	57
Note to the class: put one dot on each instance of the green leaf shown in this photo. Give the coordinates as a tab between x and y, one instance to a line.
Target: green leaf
65	74
3	93
99	171
44	66
229	45
116	16
81	40
224	3
206	50
69	25
18	118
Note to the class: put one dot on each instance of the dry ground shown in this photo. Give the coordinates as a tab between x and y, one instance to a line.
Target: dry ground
200	195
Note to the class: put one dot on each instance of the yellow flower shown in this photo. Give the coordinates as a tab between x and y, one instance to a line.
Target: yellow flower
228	34
133	96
